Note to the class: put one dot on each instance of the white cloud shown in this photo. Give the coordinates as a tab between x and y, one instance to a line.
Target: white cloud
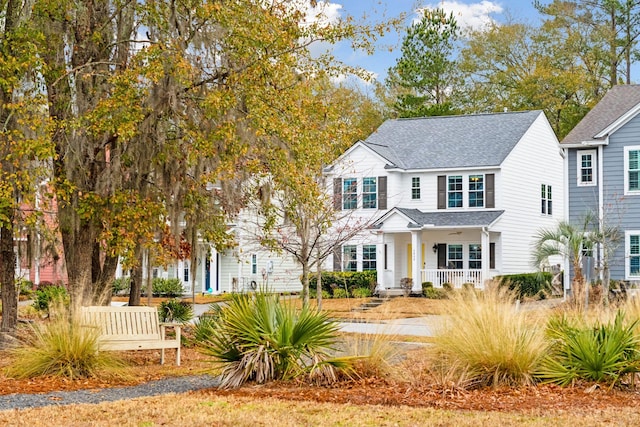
324	13
473	16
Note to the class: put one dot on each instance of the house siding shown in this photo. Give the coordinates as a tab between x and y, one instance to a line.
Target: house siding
582	199
619	210
535	160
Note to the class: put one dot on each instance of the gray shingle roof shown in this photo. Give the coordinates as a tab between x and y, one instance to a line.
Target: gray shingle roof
615	103
451	219
450	141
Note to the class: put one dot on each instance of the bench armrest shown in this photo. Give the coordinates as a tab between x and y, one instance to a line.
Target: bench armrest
175	326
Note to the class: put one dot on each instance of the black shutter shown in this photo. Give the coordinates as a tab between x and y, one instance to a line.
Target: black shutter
442	255
490	190
337	258
382	192
337	194
492	255
442	192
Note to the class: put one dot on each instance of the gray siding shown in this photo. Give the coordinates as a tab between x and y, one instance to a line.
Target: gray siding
619	210
581	199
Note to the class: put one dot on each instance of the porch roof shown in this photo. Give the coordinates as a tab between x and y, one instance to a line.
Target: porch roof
419	219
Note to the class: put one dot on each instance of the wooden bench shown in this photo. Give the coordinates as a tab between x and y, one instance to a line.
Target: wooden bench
132	328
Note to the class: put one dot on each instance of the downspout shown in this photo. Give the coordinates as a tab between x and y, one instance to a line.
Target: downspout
601	203
565	155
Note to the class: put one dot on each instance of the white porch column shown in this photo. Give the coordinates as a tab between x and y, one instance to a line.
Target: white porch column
416	261
485	242
380	261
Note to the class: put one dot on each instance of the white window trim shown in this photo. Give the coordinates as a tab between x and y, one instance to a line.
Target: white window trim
626	171
546	200
375	193
467	194
594	175
627	254
465	191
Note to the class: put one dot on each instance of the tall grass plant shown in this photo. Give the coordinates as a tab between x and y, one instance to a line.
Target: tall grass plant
487	341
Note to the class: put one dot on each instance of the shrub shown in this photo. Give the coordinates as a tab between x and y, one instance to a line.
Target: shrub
175	310
121	285
45	295
344	279
260	339
64	348
340	293
488	341
361	293
167	287
24	287
433	293
604	352
527	284
314	294
406	283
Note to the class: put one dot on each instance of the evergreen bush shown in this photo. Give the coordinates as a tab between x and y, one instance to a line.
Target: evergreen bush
527	284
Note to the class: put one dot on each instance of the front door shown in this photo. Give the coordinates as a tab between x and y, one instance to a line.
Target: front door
442	255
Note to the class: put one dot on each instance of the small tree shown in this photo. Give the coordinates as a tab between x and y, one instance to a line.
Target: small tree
568	241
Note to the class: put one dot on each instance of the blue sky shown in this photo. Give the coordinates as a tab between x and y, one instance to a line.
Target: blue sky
474	13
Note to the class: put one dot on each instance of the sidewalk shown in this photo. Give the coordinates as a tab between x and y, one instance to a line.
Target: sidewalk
417	326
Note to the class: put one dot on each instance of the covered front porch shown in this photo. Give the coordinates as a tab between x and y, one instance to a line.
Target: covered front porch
445	249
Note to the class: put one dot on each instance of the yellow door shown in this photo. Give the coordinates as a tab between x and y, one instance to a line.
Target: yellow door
410	260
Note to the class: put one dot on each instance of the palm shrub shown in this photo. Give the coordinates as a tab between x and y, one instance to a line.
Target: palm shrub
258	338
63	347
175	310
600	352
488	340
340	293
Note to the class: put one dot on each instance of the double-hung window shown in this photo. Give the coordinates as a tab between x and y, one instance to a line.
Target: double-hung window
632	242
368	257
475	256
454	256
254	264
349	193
415	188
476	191
546	200
586	167
350	258
369	193
632	170
454	191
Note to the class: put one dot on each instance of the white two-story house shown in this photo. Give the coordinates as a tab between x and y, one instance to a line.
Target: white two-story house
454	199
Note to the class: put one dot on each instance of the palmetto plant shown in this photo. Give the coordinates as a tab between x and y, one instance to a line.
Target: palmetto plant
602	352
259	338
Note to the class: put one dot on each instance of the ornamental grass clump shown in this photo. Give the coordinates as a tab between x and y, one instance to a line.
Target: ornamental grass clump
63	346
490	341
259	338
602	352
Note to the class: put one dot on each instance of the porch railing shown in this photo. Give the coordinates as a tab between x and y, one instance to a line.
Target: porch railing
455	278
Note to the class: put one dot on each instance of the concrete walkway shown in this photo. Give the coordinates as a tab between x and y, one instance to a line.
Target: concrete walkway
417	326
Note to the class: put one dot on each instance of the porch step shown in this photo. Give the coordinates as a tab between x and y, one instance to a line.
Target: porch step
373	303
390	293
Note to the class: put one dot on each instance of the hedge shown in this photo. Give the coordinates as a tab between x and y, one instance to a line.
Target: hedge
341	279
527	284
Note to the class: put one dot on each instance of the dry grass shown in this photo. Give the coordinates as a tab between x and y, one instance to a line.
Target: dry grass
207	409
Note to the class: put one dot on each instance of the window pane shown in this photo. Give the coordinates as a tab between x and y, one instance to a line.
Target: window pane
368	257
476	191
586	171
349	193
455	192
475	256
415	188
634	245
454	253
369	193
350	262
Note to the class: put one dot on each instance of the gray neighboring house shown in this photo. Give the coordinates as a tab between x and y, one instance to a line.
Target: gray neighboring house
455	199
602	167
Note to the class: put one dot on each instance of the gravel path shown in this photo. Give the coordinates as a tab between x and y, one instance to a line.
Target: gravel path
153	388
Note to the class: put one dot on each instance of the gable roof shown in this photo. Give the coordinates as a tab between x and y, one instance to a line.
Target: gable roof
476	140
418	219
613	106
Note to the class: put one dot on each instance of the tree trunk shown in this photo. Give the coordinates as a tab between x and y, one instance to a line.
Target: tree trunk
319	281
136	279
7	280
606	279
305	284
